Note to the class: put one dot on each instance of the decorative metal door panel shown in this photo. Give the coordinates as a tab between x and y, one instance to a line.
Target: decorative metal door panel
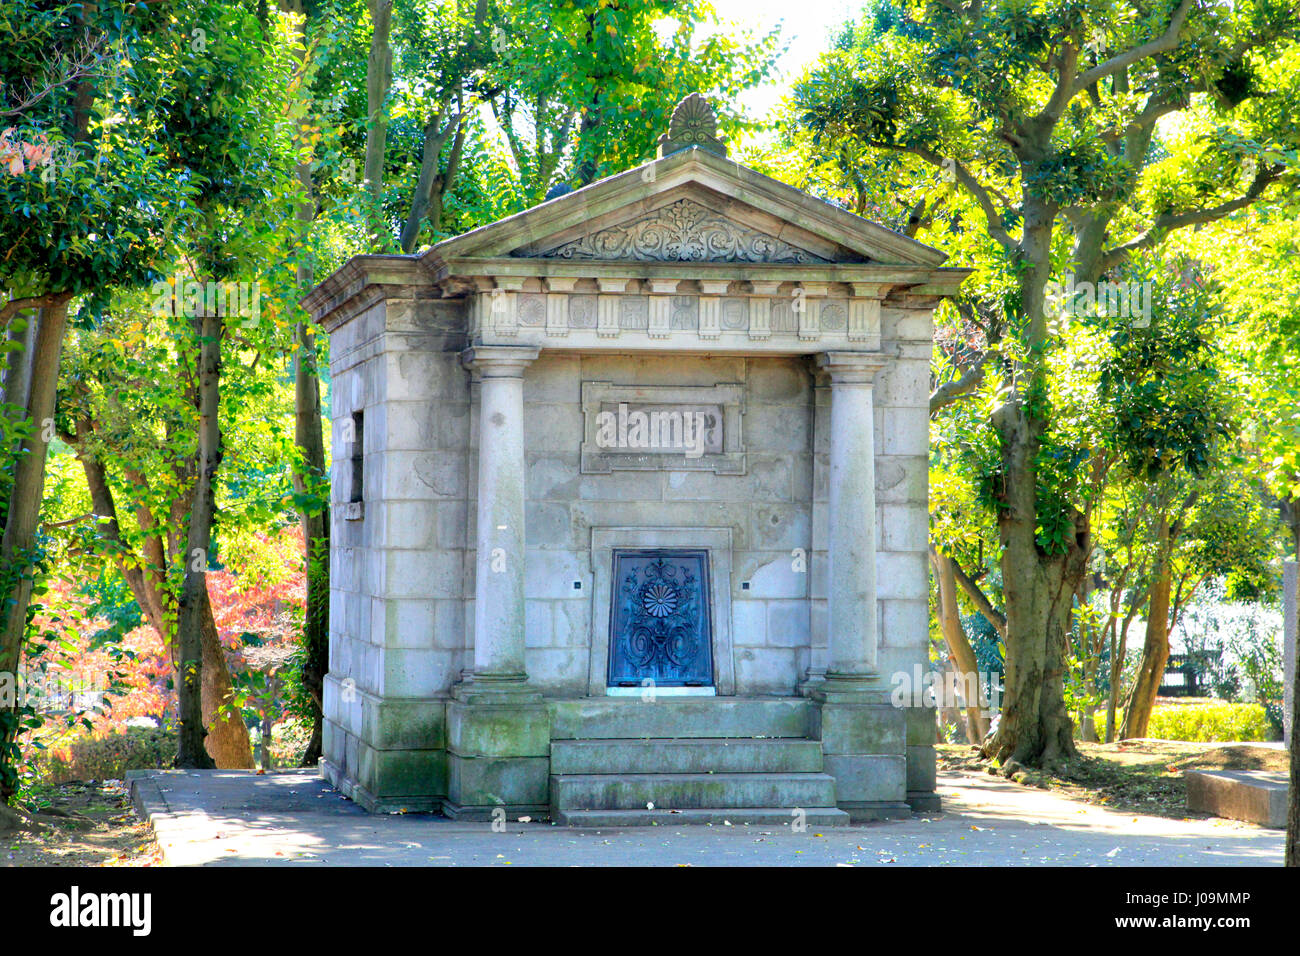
660	619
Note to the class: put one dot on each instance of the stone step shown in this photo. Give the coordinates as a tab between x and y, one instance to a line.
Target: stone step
633	717
736	816
686	755
691	791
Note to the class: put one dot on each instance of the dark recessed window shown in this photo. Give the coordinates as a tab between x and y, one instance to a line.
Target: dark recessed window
358	456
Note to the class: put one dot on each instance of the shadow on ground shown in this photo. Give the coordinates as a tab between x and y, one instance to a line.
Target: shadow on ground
239	818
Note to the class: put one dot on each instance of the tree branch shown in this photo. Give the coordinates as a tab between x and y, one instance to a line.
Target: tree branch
67	521
982	604
1163	44
14	306
1169	221
959	388
981	195
1067	69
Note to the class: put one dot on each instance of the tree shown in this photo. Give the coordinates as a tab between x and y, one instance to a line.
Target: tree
310	476
80	216
582	91
1047	119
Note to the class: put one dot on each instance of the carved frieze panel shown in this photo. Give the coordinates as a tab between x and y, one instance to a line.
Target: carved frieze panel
767	315
683	231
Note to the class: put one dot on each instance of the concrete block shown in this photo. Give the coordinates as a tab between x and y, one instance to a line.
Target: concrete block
538	629
904	527
484	783
778	382
749	623
921	768
1255	796
862	729
778	428
775	574
904	623
498	730
787	623
776	527
901	479
766	670
609	717
906	431
901	575
401	773
920	723
859	778
547	525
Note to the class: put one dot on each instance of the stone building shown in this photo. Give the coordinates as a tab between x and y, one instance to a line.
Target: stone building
630	506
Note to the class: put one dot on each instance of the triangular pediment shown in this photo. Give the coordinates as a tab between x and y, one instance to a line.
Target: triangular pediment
692	206
683	230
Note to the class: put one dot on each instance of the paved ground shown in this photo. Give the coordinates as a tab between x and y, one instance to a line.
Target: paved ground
241	818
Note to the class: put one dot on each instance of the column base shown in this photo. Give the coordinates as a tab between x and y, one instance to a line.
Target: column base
864	747
849	689
494	689
498	751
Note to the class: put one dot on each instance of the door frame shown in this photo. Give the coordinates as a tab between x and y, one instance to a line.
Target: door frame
715	541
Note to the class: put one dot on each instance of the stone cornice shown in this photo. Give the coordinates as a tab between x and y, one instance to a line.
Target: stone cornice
357	284
919	279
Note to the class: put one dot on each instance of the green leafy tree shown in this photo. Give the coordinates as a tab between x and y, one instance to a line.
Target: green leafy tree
1084	132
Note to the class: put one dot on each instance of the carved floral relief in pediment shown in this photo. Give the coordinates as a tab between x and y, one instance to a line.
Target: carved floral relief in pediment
683	231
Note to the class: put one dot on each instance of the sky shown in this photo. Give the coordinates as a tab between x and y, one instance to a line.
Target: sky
806	23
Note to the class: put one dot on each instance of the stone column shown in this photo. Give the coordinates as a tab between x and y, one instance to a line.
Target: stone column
499	568
851	542
863	736
498	730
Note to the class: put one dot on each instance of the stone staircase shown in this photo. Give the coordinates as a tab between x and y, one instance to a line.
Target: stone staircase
676	760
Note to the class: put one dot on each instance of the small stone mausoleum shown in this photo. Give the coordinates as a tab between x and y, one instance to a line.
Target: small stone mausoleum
630	506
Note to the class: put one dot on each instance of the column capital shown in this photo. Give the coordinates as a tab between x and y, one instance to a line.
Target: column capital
852	368
499	361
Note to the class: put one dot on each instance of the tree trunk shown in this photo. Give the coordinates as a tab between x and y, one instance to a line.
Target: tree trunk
194	596
963	655
18	376
1035	728
1155	649
309	437
25	511
430	190
227	740
308	430
1293	812
268	726
379	77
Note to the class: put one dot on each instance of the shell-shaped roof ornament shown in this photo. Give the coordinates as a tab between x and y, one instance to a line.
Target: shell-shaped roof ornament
694	123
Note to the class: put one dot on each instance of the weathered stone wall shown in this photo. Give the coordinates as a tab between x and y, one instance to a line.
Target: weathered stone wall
903	524
397	561
767	509
402	612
